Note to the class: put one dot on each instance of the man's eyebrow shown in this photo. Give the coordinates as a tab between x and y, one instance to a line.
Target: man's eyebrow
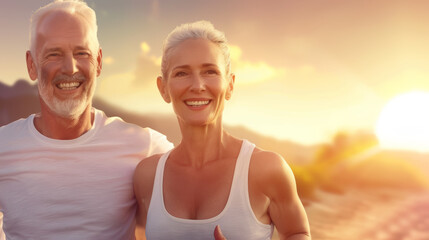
81	48
181	66
55	49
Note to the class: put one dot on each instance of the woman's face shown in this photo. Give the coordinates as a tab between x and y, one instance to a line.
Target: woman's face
196	82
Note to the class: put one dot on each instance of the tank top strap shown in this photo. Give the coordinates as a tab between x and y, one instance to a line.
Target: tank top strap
157	198
242	169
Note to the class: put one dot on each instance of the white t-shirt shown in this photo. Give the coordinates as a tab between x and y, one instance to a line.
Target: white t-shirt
72	189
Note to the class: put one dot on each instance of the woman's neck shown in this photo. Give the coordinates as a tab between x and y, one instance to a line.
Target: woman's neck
202	144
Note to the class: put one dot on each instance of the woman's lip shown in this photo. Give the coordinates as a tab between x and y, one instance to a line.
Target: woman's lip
197	103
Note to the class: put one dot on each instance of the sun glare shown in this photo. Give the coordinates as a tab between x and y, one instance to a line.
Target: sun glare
404	123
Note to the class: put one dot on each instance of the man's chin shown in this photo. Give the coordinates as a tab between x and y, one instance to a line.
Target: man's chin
66	108
70	110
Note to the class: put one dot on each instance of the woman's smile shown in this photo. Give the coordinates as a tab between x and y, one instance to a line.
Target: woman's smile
197	103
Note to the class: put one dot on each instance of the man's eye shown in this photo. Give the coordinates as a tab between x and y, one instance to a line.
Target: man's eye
82	54
53	55
180	74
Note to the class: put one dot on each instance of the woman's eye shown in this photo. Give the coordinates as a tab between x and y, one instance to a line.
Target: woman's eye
211	72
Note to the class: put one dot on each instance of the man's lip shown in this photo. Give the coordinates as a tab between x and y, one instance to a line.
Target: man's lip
70	85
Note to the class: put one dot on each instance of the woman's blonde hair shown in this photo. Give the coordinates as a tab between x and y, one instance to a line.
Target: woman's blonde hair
199	29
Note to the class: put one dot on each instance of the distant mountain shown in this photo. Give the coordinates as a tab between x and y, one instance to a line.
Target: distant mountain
21	100
20	88
391	170
17	101
421	160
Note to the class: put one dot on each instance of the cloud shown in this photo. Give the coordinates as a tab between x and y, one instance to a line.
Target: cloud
148	66
235	53
248	72
138	78
154	11
145	47
115	85
120	90
108	60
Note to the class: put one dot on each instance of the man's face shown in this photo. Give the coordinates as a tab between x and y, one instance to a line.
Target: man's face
67	62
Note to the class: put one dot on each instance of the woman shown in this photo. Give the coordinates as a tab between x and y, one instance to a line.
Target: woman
211	178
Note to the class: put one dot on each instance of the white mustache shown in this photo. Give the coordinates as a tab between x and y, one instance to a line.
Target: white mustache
65	78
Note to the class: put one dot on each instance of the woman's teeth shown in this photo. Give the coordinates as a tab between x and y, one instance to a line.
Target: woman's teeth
197	103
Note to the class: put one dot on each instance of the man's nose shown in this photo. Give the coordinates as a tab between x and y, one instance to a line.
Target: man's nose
69	65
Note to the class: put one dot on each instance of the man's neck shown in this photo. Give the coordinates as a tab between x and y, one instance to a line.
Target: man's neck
56	127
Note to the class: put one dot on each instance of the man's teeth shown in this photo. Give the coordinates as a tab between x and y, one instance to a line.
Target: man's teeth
197	103
68	85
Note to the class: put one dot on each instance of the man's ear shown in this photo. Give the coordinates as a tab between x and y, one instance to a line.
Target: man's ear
230	87
31	66
163	89
99	61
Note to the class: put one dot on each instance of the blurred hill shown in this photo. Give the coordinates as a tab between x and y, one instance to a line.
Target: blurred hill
21	100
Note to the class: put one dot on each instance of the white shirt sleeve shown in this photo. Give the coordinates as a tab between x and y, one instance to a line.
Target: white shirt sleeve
159	143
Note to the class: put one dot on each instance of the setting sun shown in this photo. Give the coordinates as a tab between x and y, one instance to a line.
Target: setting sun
404	122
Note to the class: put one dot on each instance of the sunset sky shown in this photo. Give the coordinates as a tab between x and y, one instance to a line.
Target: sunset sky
304	69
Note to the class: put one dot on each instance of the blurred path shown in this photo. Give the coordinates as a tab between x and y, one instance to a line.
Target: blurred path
370	215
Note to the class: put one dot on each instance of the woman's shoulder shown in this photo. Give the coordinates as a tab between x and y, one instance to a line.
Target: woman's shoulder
148	164
271	160
144	174
270	169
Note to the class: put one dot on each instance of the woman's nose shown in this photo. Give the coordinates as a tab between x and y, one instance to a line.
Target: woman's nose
198	83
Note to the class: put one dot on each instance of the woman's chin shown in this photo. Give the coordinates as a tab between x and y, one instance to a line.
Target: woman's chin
200	122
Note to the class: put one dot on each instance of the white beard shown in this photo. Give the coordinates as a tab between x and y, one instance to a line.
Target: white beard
68	108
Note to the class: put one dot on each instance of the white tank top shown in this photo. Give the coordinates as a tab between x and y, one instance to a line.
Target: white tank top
237	220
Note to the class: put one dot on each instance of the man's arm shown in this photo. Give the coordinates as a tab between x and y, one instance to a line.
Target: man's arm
159	143
140	224
2	235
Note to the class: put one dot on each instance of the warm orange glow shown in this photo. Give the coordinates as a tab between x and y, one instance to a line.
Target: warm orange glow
404	122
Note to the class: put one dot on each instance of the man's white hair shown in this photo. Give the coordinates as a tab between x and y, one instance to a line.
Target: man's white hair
77	7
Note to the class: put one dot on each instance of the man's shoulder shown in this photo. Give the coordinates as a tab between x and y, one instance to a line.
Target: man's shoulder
116	125
14	133
14	126
114	122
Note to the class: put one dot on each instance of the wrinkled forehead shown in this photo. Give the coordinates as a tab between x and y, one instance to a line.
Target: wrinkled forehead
196	51
61	26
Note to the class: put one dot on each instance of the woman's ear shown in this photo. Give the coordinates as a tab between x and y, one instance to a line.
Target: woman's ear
31	66
230	86
163	89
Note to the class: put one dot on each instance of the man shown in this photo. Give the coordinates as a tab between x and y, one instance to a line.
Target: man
66	172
